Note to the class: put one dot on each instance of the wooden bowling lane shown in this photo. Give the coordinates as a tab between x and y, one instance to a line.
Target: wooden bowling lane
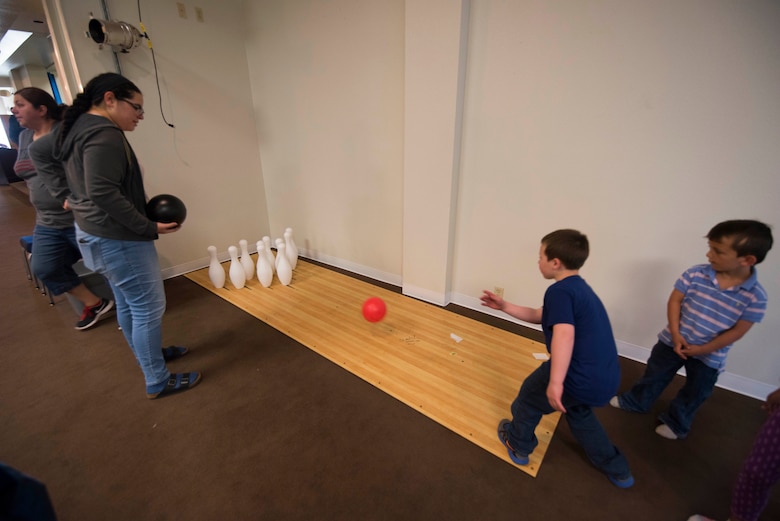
466	386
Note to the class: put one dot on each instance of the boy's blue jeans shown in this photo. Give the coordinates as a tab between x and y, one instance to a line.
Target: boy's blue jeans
661	368
133	271
531	404
55	251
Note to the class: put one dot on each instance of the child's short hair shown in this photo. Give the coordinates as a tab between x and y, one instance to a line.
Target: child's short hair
748	237
568	246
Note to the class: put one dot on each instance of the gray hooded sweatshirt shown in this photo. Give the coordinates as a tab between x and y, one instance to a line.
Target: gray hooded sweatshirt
104	187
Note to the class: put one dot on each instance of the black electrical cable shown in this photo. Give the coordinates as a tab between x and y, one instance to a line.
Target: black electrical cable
154	60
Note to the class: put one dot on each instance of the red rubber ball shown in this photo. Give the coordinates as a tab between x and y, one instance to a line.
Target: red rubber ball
374	309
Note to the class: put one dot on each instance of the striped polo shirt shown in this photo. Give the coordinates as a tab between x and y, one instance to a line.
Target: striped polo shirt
707	310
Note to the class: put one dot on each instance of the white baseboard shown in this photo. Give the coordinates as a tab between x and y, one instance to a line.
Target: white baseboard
729	381
359	269
181	269
432	297
475	304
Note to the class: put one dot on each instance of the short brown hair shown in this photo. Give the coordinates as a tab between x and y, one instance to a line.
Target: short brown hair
748	237
568	246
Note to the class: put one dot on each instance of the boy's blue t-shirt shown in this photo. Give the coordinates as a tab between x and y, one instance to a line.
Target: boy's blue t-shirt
594	373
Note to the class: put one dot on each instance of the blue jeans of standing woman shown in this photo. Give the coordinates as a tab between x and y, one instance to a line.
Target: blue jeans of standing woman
55	251
133	271
531	404
662	365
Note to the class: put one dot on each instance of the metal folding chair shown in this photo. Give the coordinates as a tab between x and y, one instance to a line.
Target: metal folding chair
26	242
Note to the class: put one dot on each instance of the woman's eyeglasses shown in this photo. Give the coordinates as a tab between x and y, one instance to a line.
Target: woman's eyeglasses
138	108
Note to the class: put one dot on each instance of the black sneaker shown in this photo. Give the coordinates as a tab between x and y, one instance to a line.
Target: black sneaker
91	315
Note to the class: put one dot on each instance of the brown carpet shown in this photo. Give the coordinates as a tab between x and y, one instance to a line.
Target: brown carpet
276	432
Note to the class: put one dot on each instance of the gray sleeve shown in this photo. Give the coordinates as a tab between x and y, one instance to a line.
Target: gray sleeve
50	170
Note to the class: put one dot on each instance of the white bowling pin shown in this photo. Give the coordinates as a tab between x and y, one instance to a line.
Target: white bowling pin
246	260
283	268
216	271
236	271
264	272
269	253
278	242
290	247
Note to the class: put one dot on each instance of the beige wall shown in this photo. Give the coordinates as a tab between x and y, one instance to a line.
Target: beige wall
434	81
30	76
642	124
327	79
210	159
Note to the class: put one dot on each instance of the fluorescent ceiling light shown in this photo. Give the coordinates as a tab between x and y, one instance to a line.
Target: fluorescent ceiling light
10	42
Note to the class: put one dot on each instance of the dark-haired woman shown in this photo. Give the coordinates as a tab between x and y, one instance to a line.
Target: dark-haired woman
115	236
54	237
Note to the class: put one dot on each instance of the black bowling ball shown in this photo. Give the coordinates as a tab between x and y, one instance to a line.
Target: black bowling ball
166	208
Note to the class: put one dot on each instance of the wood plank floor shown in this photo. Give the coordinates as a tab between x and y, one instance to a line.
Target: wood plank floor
466	386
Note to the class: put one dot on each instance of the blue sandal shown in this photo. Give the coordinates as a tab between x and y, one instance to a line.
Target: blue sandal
176	383
174	352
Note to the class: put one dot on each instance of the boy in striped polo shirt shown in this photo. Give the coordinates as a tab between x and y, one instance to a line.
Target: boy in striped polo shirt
711	307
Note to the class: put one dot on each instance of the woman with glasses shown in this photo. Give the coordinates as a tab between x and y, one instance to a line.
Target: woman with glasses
54	237
108	201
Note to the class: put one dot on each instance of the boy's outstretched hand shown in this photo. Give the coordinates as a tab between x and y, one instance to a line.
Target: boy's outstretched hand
492	300
526	314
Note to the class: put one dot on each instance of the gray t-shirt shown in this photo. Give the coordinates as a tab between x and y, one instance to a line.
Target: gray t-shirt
48	210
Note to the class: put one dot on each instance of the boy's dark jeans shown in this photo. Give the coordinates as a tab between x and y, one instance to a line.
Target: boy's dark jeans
662	365
531	404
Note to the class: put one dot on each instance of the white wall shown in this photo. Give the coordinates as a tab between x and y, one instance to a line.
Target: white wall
327	79
210	159
642	124
434	83
30	76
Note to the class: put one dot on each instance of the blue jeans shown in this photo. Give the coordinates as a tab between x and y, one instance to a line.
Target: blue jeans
55	251
661	368
531	404
133	271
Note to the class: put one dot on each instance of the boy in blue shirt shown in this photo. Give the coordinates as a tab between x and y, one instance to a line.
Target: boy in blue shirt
583	370
711	307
